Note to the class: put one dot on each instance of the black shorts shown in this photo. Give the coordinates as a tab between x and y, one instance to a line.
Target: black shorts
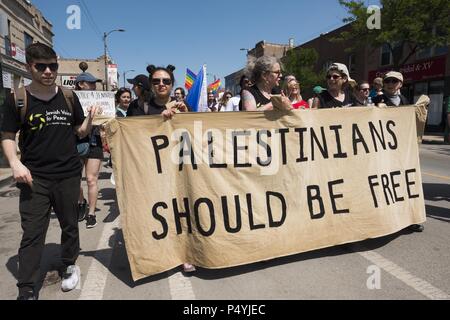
95	152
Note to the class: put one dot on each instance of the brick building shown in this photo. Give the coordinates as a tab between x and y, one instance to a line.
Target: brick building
261	48
21	24
426	72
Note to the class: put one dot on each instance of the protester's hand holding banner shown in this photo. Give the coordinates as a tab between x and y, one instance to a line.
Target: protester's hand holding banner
246	187
281	102
421	115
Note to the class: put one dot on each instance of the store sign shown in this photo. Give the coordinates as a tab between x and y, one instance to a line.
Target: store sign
422	70
113	81
7	80
68	81
18	53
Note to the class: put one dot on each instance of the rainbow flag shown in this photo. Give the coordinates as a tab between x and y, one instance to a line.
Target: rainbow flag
190	79
214	86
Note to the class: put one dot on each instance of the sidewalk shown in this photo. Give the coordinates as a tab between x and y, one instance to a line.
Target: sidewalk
5	176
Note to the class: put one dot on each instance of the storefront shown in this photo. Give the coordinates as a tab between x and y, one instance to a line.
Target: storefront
425	77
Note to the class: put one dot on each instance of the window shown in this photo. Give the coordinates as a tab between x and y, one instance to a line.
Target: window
8	40
429	52
28	39
352	63
386	55
327	65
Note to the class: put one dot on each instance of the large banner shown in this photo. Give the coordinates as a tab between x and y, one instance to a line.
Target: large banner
220	190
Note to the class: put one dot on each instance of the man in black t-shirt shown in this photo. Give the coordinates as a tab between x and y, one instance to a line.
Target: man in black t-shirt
49	171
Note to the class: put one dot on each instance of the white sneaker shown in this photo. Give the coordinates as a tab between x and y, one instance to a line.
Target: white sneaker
70	278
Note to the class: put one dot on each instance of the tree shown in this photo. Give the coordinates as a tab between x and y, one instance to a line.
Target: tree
407	26
301	63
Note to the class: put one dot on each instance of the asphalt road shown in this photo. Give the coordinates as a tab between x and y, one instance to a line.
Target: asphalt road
409	265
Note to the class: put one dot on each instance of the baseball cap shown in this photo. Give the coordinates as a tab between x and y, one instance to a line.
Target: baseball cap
395	75
318	89
140	80
86	77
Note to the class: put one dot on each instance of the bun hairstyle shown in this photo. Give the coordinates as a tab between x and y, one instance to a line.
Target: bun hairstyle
151	69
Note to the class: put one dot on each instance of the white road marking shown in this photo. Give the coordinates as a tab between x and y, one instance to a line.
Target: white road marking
403	275
95	280
180	287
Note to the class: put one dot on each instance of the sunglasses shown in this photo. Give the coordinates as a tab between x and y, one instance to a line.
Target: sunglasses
364	89
165	81
391	80
41	67
334	77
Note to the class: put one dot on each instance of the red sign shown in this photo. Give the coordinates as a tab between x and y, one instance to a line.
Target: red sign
422	70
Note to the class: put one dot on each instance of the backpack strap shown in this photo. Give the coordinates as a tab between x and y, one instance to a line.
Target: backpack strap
68	96
20	97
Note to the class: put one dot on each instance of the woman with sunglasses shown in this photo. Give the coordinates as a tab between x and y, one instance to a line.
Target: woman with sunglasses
337	95
361	95
292	90
266	75
162	81
223	103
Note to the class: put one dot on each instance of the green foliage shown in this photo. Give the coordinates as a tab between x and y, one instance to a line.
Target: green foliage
301	63
406	25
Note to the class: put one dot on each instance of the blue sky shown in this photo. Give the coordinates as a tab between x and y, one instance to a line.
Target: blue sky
186	34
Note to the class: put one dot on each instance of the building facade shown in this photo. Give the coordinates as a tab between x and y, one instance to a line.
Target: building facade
261	48
69	69
21	24
426	72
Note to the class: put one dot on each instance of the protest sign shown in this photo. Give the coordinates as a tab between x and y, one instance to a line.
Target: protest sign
220	191
103	99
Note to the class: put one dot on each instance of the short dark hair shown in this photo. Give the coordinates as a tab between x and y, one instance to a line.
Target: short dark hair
39	51
183	93
120	92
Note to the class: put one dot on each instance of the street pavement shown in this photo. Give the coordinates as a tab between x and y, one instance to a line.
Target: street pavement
410	265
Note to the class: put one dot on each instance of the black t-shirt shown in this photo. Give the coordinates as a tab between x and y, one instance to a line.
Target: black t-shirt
153	108
47	136
385	99
327	101
260	99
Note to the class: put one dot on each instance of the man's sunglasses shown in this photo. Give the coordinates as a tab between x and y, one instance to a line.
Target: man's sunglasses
41	67
165	81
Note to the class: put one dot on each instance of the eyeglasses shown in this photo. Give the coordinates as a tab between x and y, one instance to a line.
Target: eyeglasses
41	67
276	72
391	80
334	76
165	81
